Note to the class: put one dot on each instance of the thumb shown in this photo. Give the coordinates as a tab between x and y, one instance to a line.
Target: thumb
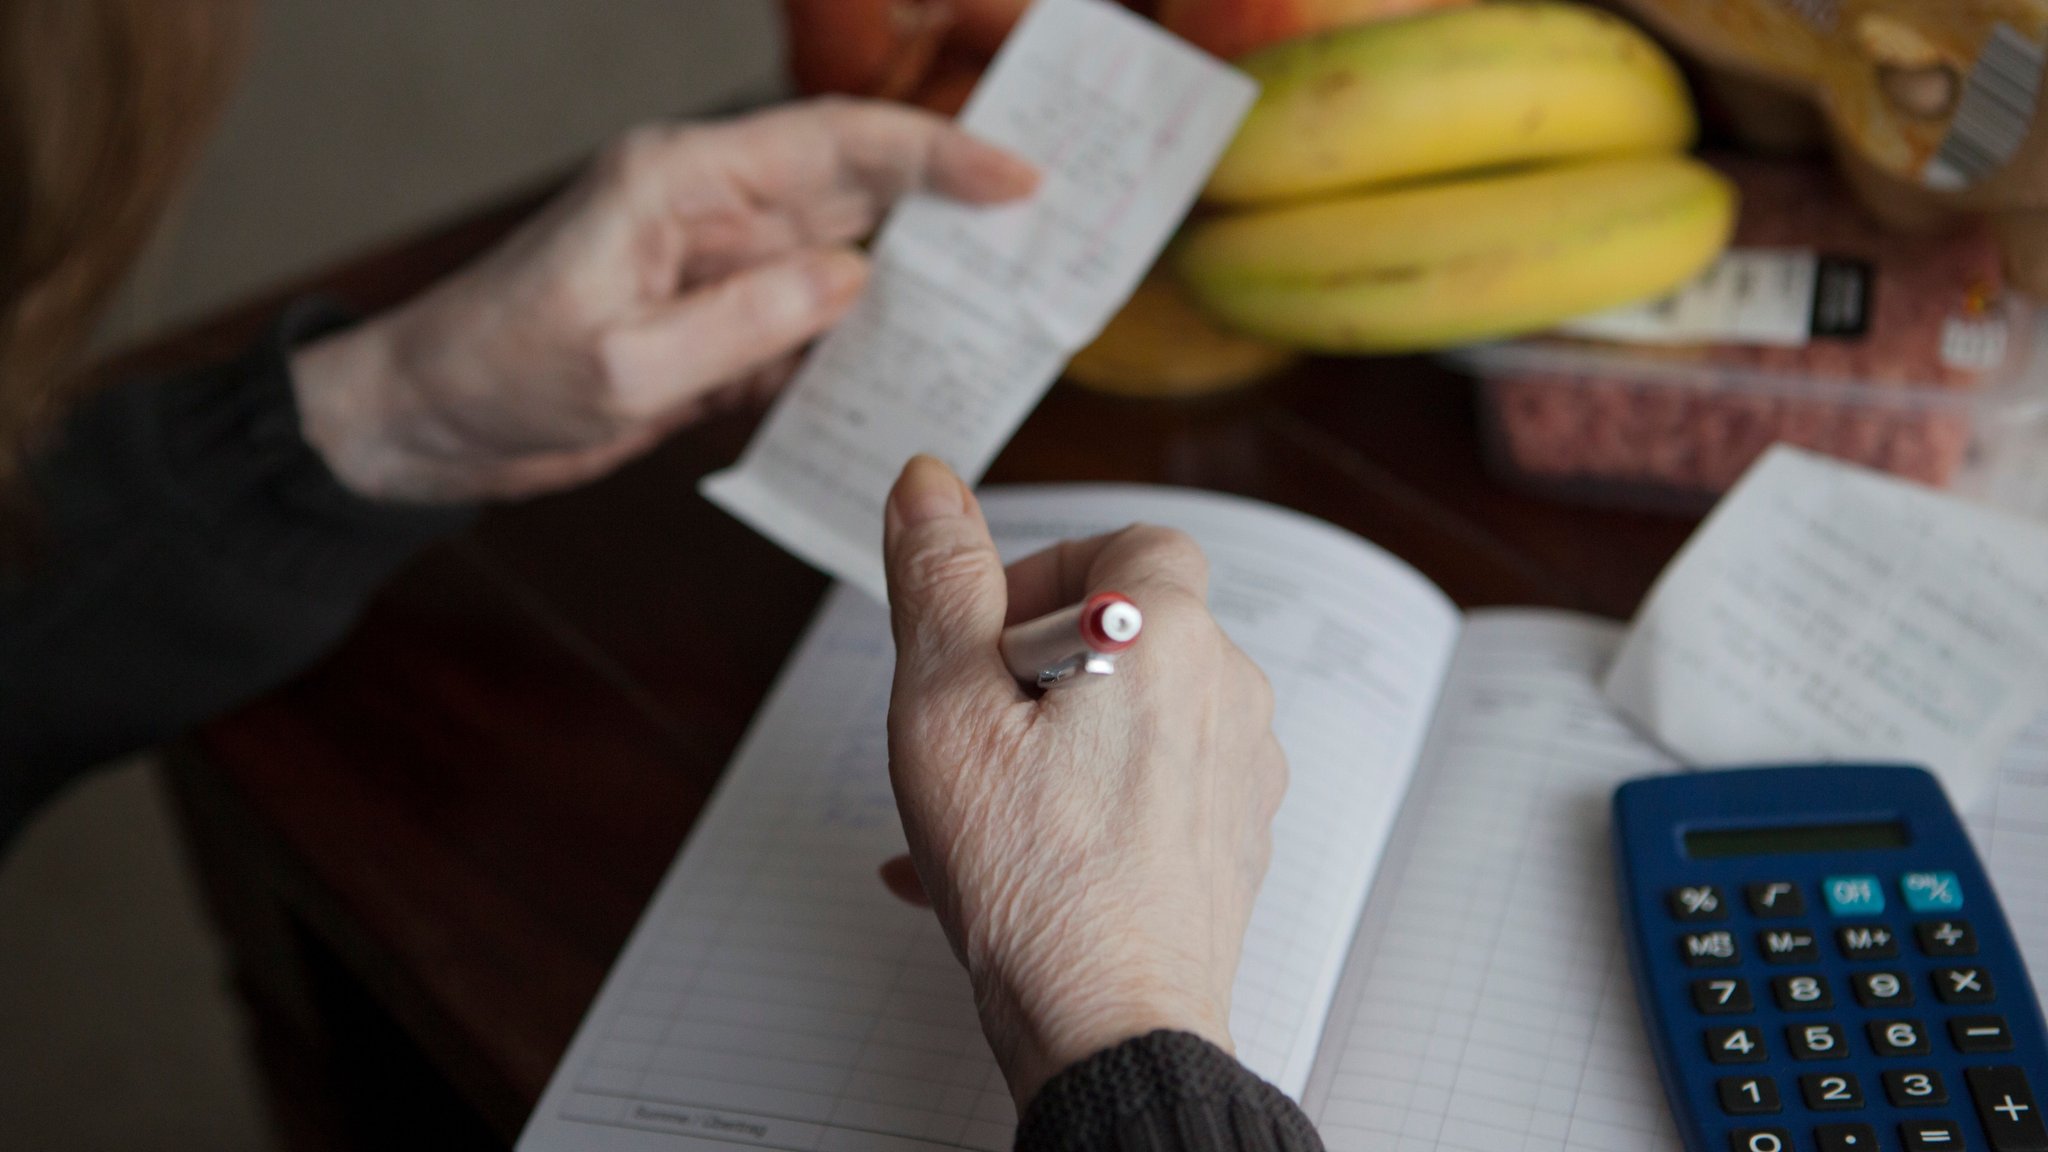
899	876
671	357
947	592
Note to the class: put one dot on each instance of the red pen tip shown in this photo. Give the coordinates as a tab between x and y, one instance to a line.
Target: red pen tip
1110	622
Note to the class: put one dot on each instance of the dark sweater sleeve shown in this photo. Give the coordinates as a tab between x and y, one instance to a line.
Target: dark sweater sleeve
185	549
1163	1092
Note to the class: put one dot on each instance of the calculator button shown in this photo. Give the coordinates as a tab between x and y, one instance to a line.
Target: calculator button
1788	946
1932	891
1882	989
1697	902
1898	1038
1726	996
1816	1041
1748	1095
1915	1087
1963	985
1832	1092
2005	1103
1845	1138
1776	899
1980	1034
1947	938
1802	993
1760	1140
1709	949
1735	1046
1932	1136
1853	895
1867	942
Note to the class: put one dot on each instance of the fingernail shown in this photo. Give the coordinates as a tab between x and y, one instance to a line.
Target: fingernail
1005	174
926	491
836	275
804	292
1020	174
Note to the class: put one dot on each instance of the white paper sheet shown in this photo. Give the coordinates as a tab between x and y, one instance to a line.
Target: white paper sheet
972	311
774	995
1487	1003
1826	612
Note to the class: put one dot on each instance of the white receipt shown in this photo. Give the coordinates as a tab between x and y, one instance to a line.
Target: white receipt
972	311
1826	612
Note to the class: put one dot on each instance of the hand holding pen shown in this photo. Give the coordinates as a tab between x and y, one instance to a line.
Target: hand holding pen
1091	852
1077	641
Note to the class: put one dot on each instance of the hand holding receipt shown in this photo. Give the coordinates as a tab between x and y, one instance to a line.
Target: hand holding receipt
970	313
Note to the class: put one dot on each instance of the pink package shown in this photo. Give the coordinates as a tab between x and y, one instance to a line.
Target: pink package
1895	387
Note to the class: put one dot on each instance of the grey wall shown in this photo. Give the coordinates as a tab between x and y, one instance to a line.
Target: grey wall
362	119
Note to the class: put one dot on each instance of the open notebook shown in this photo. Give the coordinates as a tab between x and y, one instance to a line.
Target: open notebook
1434	961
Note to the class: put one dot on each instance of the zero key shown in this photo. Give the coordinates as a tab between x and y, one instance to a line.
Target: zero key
2005	1105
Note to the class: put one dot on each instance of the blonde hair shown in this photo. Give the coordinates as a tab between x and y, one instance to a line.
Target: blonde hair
104	106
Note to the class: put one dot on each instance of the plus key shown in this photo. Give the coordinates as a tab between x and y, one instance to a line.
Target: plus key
2005	1104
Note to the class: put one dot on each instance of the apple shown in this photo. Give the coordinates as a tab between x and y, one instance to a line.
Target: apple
1232	28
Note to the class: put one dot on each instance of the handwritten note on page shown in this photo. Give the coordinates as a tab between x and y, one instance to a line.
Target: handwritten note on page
775	995
972	311
1826	612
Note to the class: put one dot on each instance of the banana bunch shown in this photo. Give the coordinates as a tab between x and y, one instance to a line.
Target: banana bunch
1456	176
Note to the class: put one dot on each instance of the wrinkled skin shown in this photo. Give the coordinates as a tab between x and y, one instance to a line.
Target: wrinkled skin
1092	853
681	274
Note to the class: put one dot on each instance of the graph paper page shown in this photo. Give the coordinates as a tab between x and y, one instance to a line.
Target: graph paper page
2010	829
1487	1004
774	995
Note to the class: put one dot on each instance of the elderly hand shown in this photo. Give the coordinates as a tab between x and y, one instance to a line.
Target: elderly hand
1092	853
682	273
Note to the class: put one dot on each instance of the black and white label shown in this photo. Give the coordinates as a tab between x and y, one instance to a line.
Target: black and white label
1776	297
1994	115
1842	291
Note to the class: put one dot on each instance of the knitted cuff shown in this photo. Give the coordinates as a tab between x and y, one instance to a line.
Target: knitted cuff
1163	1092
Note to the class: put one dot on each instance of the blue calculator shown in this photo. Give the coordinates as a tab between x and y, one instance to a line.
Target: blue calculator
1823	965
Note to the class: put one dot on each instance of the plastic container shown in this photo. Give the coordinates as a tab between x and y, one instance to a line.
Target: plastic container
1620	426
1940	377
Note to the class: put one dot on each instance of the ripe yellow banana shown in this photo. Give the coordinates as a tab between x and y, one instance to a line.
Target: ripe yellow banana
1485	86
1428	266
1163	344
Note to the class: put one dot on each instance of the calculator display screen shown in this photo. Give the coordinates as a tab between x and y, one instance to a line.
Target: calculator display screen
1714	843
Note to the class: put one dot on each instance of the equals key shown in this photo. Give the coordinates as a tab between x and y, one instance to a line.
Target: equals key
1932	1135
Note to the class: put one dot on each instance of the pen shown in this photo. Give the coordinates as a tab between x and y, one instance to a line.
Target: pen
1072	642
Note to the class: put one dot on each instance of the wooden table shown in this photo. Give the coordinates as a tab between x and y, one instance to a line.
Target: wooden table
426	851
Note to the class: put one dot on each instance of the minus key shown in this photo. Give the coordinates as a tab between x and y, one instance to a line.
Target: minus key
1980	1034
